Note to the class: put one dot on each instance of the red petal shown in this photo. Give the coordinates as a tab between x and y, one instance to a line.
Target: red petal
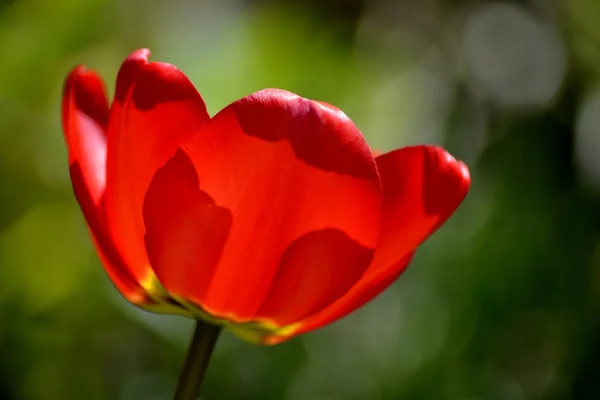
84	92
156	107
113	264
85	118
422	186
185	229
287	169
315	270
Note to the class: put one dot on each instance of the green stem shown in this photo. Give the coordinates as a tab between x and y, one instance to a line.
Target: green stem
201	348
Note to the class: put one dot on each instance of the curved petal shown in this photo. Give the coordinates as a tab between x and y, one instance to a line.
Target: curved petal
155	109
186	230
113	264
422	186
302	190
85	119
315	270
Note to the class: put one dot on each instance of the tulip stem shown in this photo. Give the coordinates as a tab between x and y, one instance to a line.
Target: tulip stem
198	356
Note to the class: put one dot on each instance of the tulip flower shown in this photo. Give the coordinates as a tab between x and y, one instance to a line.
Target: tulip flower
272	218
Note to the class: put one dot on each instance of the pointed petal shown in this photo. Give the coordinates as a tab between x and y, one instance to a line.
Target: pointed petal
299	182
422	186
85	119
156	107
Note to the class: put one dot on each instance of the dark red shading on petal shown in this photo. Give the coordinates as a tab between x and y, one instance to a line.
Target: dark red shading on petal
422	186
128	73
84	91
185	229
315	270
85	118
306	126
163	83
156	108
446	182
275	196
360	294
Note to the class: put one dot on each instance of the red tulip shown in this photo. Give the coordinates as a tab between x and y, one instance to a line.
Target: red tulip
271	218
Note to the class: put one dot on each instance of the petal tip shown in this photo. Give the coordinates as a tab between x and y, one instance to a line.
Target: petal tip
152	82
464	172
80	70
448	181
139	54
77	70
443	158
84	91
129	72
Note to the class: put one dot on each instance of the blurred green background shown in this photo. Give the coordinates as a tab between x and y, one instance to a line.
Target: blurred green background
502	303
